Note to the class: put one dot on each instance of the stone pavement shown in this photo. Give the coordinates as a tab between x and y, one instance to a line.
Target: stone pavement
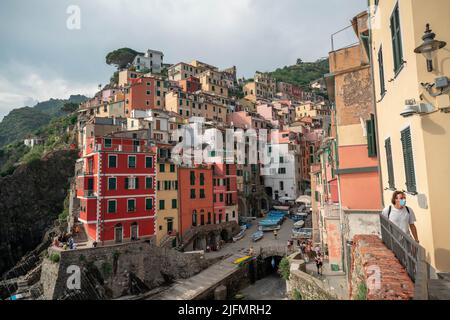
336	281
188	289
243	245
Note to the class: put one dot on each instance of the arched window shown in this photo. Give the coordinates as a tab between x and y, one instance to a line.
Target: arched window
194	218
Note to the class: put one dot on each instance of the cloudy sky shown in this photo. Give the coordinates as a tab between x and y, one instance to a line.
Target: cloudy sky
41	58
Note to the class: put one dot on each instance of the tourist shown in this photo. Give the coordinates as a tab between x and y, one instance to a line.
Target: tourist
275	233
319	264
251	252
317	250
401	215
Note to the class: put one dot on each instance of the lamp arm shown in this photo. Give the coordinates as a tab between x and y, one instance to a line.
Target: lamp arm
437	94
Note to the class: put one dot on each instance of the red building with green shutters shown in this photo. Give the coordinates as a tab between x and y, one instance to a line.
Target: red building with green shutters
117	187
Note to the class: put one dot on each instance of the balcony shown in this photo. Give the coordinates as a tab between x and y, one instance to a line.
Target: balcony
122	148
89	194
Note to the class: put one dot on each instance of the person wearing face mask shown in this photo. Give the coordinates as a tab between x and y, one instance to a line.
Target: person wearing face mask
401	215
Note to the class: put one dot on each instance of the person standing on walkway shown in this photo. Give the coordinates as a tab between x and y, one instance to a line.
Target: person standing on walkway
275	233
401	215
319	264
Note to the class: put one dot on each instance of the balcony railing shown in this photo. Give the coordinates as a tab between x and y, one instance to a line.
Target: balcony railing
410	254
89	194
122	148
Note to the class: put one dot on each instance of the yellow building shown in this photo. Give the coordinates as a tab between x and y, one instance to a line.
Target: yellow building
413	123
212	82
263	87
167	203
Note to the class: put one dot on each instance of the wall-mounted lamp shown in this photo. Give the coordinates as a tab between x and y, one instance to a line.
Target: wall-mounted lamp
412	108
429	47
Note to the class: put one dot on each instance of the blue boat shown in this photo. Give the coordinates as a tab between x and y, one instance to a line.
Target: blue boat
257	236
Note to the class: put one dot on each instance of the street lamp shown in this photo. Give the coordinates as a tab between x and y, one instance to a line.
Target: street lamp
429	47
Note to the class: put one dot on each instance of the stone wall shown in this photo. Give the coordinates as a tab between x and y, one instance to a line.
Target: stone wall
309	287
118	270
376	274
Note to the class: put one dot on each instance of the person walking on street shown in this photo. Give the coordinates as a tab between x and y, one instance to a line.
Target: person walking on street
275	233
319	264
401	215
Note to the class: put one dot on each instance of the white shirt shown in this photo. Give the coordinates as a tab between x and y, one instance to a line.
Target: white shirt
400	217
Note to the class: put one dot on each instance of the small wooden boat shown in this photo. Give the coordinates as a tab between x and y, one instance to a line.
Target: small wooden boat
241	260
240	235
269	228
258	235
299	224
281	208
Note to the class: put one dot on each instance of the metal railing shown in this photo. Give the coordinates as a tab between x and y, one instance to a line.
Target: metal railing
410	254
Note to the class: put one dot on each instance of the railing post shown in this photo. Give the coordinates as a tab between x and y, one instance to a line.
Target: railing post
421	281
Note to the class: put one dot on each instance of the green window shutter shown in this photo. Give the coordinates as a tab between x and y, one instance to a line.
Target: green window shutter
149	204
371	137
381	71
136	182
390	164
162	167
112	183
148	183
192	178
131	162
192	193
408	159
111	206
172	168
174	203
108	143
162	204
396	39
127	180
149	162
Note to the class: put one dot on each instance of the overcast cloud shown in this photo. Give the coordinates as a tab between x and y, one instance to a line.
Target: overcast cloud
40	58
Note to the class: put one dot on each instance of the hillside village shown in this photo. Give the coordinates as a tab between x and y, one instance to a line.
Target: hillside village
191	183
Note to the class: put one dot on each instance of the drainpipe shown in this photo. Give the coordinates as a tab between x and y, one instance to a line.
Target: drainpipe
374	97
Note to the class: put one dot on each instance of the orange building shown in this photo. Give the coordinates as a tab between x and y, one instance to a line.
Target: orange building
196	197
190	85
144	93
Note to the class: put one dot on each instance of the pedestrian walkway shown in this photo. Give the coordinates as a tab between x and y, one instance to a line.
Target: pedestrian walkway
336	281
189	289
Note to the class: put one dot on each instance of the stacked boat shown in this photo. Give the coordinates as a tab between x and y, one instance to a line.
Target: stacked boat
273	221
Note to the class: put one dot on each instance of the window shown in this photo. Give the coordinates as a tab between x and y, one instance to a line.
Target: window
194	218
396	40
202	193
148	183
158	93
281	160
131	205
174	203
381	72
202	179
112	206
112	184
148	204
162	167
131	161
192	193
390	165
172	168
131	183
148	162
162	204
221	197
281	185
192	178
108	143
112	161
209	217
282	171
371	137
148	92
408	159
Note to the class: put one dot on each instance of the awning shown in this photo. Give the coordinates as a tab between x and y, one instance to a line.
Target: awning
304	198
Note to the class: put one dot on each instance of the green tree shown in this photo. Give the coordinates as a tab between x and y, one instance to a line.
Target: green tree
70	107
284	268
121	58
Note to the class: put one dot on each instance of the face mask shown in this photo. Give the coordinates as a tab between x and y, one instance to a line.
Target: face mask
403	202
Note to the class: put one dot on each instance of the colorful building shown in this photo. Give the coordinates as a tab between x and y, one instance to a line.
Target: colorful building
415	149
117	188
196	198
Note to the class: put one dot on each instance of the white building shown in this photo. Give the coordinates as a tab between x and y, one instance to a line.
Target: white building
283	178
151	61
32	142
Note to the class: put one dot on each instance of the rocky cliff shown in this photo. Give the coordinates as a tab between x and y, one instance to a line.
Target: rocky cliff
30	201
